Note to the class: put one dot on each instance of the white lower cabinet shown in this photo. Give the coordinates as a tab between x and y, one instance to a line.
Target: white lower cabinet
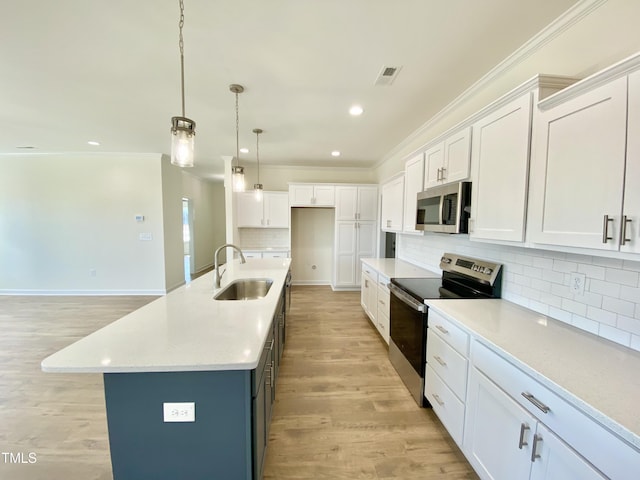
382	317
516	428
369	293
374	298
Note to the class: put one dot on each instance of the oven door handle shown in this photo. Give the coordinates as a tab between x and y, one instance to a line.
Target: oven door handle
407	299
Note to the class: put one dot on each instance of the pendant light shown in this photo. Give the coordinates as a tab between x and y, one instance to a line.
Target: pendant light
237	172
183	129
257	187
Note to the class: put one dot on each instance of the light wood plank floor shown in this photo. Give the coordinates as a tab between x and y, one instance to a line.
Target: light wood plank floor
341	412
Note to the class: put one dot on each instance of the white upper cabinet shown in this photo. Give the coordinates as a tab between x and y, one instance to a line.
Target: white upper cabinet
414	175
448	161
392	205
308	195
630	226
499	172
578	168
270	212
356	202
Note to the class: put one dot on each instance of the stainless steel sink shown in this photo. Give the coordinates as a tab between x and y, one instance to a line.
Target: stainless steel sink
245	289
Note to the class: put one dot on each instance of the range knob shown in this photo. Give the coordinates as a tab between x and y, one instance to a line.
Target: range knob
445	260
487	271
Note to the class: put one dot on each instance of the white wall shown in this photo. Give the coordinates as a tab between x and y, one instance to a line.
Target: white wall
172	224
586	44
67	224
208	202
312	231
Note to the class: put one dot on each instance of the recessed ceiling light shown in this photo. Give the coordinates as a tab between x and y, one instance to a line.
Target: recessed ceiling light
356	110
244	150
335	153
93	143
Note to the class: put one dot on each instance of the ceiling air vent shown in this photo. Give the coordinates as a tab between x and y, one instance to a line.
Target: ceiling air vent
387	75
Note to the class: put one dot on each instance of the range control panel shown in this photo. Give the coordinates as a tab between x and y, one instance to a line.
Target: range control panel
482	270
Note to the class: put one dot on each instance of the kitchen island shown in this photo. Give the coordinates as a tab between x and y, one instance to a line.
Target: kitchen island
189	380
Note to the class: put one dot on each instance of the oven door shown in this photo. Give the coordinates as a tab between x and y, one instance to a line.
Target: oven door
408	327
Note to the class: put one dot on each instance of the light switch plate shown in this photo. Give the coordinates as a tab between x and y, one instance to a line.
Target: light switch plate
179	412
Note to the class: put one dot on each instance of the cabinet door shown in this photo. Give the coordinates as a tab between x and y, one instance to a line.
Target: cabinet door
457	155
631	210
276	210
300	195
367	203
249	211
346	203
324	195
366	243
494	426
369	296
414	177
554	459
392	203
345	253
500	165
577	170
433	162
259	429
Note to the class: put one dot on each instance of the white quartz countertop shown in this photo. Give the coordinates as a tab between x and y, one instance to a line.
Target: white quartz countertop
395	268
185	330
598	376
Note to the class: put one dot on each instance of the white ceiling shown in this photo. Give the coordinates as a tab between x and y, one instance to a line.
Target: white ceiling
108	70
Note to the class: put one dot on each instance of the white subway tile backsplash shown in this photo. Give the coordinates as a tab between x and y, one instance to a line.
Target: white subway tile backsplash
574	307
592	271
585	324
564	266
628	324
601	316
539	280
604	288
623	277
616	305
615	334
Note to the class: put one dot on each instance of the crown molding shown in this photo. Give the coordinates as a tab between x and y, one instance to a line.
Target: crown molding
565	21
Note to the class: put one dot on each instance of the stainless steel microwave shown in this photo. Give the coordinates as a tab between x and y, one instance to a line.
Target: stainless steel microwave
444	209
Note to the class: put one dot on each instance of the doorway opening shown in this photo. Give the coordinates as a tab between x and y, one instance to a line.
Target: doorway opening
187	238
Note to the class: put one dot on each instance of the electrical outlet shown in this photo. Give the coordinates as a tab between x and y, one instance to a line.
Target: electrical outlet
577	282
179	412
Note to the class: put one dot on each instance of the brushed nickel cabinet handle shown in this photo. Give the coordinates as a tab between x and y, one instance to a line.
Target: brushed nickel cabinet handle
536	402
523	428
440	361
536	438
442	329
438	399
605	229
443	174
623	232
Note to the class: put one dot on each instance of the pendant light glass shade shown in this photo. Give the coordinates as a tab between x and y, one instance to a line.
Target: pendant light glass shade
237	179
183	129
258	191
182	141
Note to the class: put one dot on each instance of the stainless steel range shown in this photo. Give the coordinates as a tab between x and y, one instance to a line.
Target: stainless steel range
462	277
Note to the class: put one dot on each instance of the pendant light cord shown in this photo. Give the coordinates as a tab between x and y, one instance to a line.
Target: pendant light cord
181	45
237	133
258	154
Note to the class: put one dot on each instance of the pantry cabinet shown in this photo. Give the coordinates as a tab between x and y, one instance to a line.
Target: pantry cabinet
353	241
414	177
448	161
354	202
272	211
392	205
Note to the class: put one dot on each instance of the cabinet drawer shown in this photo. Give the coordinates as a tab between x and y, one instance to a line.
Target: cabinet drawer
370	271
447	363
445	404
383	300
606	451
453	335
